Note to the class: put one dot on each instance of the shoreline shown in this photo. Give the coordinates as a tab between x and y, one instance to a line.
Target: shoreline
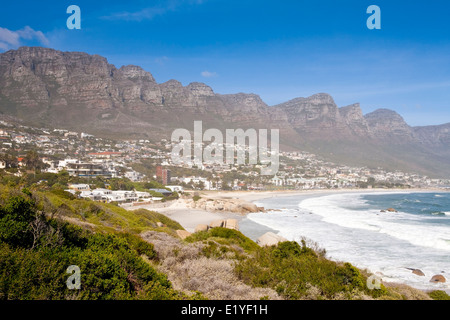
251	195
189	217
419	286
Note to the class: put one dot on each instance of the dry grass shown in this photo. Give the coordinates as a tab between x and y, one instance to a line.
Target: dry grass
190	271
406	292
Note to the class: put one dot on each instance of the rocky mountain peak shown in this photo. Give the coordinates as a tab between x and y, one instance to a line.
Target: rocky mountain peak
172	83
320	98
353	116
133	72
200	89
352	111
388	124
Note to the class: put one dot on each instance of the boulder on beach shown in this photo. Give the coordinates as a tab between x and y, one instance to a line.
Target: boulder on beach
216	224
231	224
183	234
438	278
201	227
227	223
228	205
269	239
248	207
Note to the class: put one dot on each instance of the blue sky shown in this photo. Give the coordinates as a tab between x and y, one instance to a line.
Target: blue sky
279	50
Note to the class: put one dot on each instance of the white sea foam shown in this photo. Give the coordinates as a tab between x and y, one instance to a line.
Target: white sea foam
350	230
340	210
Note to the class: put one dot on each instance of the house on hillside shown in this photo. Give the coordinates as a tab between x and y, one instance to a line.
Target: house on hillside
120	196
79	187
178	189
86	169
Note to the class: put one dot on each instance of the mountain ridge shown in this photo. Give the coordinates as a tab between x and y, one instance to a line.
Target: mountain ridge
79	91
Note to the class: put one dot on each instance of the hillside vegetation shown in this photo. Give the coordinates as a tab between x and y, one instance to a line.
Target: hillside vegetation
137	255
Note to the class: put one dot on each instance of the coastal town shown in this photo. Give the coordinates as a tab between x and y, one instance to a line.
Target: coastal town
86	156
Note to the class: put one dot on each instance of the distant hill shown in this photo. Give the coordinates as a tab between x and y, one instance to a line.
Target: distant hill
78	91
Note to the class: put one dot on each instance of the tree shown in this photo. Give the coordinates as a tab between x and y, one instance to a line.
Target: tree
33	162
15	218
9	159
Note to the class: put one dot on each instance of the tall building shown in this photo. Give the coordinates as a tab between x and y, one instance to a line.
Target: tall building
166	176
159	172
163	175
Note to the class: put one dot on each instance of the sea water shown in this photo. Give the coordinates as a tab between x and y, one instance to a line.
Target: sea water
351	227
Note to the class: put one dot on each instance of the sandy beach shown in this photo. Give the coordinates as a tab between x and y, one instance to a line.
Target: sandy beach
189	218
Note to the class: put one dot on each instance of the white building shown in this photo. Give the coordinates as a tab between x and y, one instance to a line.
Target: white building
176	188
121	196
79	187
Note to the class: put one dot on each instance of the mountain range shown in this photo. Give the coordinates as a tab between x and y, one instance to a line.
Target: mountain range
83	92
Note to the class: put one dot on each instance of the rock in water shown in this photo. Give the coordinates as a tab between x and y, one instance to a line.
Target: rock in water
418	272
438	278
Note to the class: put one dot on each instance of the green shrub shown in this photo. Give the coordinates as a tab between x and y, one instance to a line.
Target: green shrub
224	236
63	194
110	269
142	247
15	218
439	295
35	253
292	269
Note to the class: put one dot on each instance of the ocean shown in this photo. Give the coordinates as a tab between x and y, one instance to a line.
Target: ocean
351	227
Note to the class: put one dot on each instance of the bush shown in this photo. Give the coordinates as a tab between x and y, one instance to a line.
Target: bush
110	269
35	254
224	236
291	248
295	271
15	218
439	295
63	194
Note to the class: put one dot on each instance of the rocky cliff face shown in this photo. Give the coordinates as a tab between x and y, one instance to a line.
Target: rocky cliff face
307	113
355	120
79	91
434	136
388	125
